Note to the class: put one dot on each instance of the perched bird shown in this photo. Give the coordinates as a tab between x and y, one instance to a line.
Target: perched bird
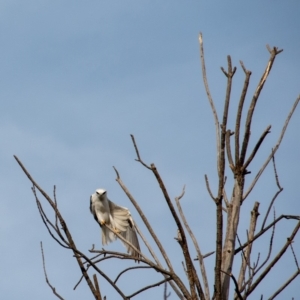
117	218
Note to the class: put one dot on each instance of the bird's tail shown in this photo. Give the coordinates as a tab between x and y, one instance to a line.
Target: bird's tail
131	236
107	236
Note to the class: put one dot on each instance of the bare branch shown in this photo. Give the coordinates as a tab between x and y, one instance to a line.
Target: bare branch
274	149
199	254
145	220
211	102
46	277
247	252
149	287
275	196
138	154
257	269
235	283
155	238
129	269
208	188
228	150
208	254
222	281
97	286
193	278
295	257
166	295
252	155
205	255
47	223
273	262
71	243
239	115
274	49
225	198
288	217
253	104
284	285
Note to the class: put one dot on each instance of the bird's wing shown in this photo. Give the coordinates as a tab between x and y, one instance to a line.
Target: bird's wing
124	223
119	216
91	206
92	209
131	236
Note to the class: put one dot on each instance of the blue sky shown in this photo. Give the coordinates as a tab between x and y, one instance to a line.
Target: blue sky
77	78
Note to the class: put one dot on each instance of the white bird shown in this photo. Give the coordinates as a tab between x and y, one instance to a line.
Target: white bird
117	218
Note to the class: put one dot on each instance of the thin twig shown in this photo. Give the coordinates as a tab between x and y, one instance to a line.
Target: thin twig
288	217
254	151
253	104
46	277
149	287
97	286
196	245
275	196
284	285
228	150
138	154
166	295
247	251
274	149
208	188
211	102
129	269
274	261
239	115
46	222
295	257
235	283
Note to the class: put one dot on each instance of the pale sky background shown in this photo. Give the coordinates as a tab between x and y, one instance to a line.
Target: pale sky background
78	77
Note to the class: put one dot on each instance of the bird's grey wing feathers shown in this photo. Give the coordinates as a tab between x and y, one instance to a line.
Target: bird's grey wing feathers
92	210
91	206
119	216
124	223
131	236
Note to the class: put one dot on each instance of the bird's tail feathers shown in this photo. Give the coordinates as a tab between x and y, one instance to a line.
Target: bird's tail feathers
107	236
131	236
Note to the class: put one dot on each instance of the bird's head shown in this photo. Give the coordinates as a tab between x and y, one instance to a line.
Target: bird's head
101	193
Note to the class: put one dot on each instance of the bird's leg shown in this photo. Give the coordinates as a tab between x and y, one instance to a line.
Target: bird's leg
116	230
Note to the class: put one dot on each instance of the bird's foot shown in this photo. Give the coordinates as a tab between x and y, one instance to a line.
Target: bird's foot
117	230
102	222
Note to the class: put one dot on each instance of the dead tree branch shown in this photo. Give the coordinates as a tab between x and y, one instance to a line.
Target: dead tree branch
155	238
260	85
196	245
70	241
239	115
275	196
274	149
211	102
247	252
274	261
46	277
284	285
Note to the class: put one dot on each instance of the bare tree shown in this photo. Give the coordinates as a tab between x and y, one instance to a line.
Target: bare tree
228	245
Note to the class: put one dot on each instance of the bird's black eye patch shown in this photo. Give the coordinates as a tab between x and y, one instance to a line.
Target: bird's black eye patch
104	193
97	193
